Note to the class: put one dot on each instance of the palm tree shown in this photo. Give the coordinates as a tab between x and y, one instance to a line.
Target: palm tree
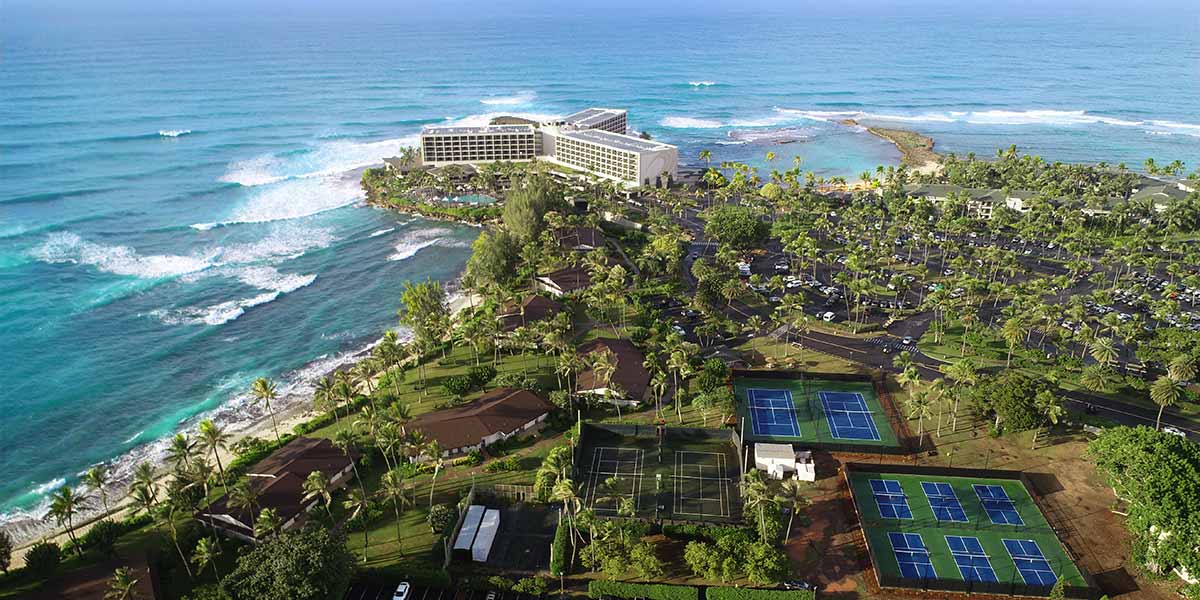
1051	408
317	485
1013	332
263	391
243	496
346	441
756	497
325	396
122	585
143	498
358	505
1104	351
65	504
437	456
97	478
393	487
214	439
791	493
1182	368
920	405
206	553
143	477
567	492
1165	392
181	452
267	523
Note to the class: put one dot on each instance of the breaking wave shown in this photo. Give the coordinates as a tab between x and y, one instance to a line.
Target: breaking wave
68	247
1048	118
523	97
690	123
327	158
173	133
705	83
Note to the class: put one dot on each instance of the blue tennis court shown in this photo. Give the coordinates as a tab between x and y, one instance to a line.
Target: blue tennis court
944	502
889	497
972	561
1030	562
772	412
848	416
912	556
999	506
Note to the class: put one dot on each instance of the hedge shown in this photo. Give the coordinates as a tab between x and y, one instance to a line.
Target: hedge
425	576
558	550
732	593
620	589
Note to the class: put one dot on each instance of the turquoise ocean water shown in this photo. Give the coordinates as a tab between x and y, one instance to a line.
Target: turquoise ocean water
180	210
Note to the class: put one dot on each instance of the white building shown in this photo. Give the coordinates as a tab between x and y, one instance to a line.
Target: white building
592	140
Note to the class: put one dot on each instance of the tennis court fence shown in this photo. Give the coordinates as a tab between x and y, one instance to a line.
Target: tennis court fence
1009	588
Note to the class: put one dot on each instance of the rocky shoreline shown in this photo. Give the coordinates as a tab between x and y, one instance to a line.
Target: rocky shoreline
916	150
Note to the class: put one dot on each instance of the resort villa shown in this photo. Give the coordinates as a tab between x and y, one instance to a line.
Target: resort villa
594	141
497	415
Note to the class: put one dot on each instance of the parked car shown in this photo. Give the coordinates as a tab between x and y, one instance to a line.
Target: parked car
828	316
1171	429
401	592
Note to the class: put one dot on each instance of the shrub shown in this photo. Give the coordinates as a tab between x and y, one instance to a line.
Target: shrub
43	559
559	549
519	381
441	517
102	537
500	583
473	458
414	574
480	375
621	589
706	532
457	385
507	464
729	593
535	586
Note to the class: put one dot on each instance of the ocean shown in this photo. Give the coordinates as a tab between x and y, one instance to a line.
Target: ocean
180	210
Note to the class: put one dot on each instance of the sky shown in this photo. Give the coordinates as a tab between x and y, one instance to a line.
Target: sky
1170	11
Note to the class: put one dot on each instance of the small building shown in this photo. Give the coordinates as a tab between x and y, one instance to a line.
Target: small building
776	460
564	282
488	527
533	308
1160	197
278	481
630	379
470	526
497	415
581	239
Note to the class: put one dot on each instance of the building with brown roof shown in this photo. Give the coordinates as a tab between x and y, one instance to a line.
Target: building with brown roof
564	282
532	309
278	483
497	415
582	239
630	381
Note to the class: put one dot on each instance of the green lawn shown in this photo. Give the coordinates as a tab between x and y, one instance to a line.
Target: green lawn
979	525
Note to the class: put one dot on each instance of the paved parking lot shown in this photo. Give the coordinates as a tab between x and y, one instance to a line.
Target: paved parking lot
367	591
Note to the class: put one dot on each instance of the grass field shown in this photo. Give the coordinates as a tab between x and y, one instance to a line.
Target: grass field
810	414
687	478
978	525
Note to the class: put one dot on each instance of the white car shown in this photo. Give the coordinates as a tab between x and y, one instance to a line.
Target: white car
828	317
401	591
1174	431
781	266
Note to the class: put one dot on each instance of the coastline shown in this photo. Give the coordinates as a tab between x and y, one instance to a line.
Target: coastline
916	150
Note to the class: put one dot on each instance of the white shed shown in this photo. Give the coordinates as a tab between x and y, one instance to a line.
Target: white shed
776	460
806	467
470	526
488	527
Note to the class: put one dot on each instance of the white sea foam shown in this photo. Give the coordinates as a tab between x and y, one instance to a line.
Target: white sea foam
690	123
134	436
67	247
217	314
173	132
331	157
1006	117
269	278
293	199
380	232
285	240
704	83
523	97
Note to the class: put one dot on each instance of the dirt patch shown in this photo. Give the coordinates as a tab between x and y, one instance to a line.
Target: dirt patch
829	551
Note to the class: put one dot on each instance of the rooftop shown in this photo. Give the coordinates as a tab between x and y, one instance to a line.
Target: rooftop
630	374
616	140
592	116
482	129
501	410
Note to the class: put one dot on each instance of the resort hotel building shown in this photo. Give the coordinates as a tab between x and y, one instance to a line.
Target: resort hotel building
592	140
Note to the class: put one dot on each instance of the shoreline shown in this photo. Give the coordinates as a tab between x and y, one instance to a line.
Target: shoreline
916	150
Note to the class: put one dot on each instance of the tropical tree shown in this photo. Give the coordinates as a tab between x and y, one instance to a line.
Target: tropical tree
181	452
317	485
1050	405
1182	368
65	504
437	456
214	439
347	442
358	506
243	496
205	553
97	479
268	523
264	392
1165	392
122	585
791	494
392	487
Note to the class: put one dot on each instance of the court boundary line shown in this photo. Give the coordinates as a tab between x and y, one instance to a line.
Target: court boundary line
862	400
751	392
637	474
723	503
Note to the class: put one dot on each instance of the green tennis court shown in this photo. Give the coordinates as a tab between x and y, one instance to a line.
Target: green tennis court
813	411
924	528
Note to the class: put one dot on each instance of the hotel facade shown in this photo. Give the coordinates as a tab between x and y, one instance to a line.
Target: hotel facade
592	140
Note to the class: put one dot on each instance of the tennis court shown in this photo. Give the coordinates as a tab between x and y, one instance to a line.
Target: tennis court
690	474
924	528
772	412
812	410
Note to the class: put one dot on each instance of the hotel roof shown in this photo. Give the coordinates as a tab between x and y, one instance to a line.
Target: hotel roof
616	140
592	116
488	129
